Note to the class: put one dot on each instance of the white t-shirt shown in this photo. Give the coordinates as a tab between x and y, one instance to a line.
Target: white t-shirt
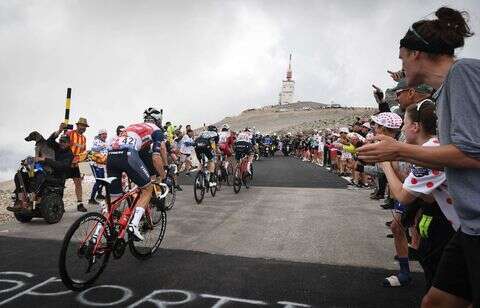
432	182
184	149
245	136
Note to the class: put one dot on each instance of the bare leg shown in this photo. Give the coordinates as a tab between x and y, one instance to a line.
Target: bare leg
439	299
78	188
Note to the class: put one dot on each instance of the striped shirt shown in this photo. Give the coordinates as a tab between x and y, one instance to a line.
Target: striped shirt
78	145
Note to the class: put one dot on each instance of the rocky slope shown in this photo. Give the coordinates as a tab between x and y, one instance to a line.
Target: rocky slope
295	117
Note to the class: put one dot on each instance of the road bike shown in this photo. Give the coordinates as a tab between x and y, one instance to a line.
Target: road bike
224	172
201	184
170	181
241	174
93	237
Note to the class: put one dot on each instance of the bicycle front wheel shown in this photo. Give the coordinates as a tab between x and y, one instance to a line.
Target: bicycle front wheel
171	196
199	187
85	251
152	227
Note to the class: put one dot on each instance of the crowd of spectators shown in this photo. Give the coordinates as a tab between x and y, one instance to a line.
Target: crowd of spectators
421	152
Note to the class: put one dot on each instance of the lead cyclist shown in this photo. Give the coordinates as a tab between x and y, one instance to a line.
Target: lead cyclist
142	140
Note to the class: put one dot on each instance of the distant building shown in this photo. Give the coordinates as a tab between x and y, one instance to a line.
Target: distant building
288	86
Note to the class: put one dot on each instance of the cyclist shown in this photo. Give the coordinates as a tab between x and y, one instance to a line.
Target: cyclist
140	152
244	146
225	143
206	144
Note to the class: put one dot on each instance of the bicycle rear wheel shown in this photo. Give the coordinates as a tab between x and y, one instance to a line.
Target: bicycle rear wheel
199	187
152	227
82	260
237	181
229	175
213	189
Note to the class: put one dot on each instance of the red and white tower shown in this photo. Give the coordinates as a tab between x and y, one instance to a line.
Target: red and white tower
288	86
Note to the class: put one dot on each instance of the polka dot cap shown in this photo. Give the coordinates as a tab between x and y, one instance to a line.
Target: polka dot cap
388	119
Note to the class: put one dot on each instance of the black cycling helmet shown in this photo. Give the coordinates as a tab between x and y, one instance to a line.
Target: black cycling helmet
212	128
151	114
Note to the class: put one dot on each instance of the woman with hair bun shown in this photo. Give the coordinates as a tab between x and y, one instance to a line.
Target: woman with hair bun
427	54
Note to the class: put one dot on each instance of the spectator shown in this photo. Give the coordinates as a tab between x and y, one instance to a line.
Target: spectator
78	145
427	54
99	146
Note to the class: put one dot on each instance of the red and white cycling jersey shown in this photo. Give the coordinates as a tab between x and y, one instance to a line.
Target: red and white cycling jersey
225	138
137	136
245	136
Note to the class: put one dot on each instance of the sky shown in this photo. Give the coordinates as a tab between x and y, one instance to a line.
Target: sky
198	60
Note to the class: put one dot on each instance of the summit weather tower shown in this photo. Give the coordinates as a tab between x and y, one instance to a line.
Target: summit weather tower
288	86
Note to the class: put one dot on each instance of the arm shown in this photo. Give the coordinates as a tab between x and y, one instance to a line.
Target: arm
437	157
396	186
388	149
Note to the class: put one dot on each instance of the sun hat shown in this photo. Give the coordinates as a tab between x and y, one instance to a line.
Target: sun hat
388	119
82	121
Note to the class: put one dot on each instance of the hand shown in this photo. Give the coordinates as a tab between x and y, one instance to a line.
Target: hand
397	75
378	94
386	149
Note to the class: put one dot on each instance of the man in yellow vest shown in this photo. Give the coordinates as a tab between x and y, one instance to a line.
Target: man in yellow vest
78	145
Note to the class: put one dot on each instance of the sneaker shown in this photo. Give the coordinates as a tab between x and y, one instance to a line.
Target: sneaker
398	280
377	197
135	232
388	223
93	202
389	204
81	208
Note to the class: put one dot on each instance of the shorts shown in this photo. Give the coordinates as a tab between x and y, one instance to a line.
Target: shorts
205	150
147	159
226	149
242	148
346	155
458	272
73	173
127	161
410	213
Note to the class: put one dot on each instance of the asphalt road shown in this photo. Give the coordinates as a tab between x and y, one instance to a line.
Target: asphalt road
297	238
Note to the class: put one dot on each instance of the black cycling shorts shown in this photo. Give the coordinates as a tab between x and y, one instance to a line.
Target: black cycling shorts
127	161
204	150
147	158
242	148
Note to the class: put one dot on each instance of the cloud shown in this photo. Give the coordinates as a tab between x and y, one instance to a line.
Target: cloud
198	60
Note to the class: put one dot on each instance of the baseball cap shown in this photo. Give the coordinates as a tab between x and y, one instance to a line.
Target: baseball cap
421	88
388	119
344	130
102	131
